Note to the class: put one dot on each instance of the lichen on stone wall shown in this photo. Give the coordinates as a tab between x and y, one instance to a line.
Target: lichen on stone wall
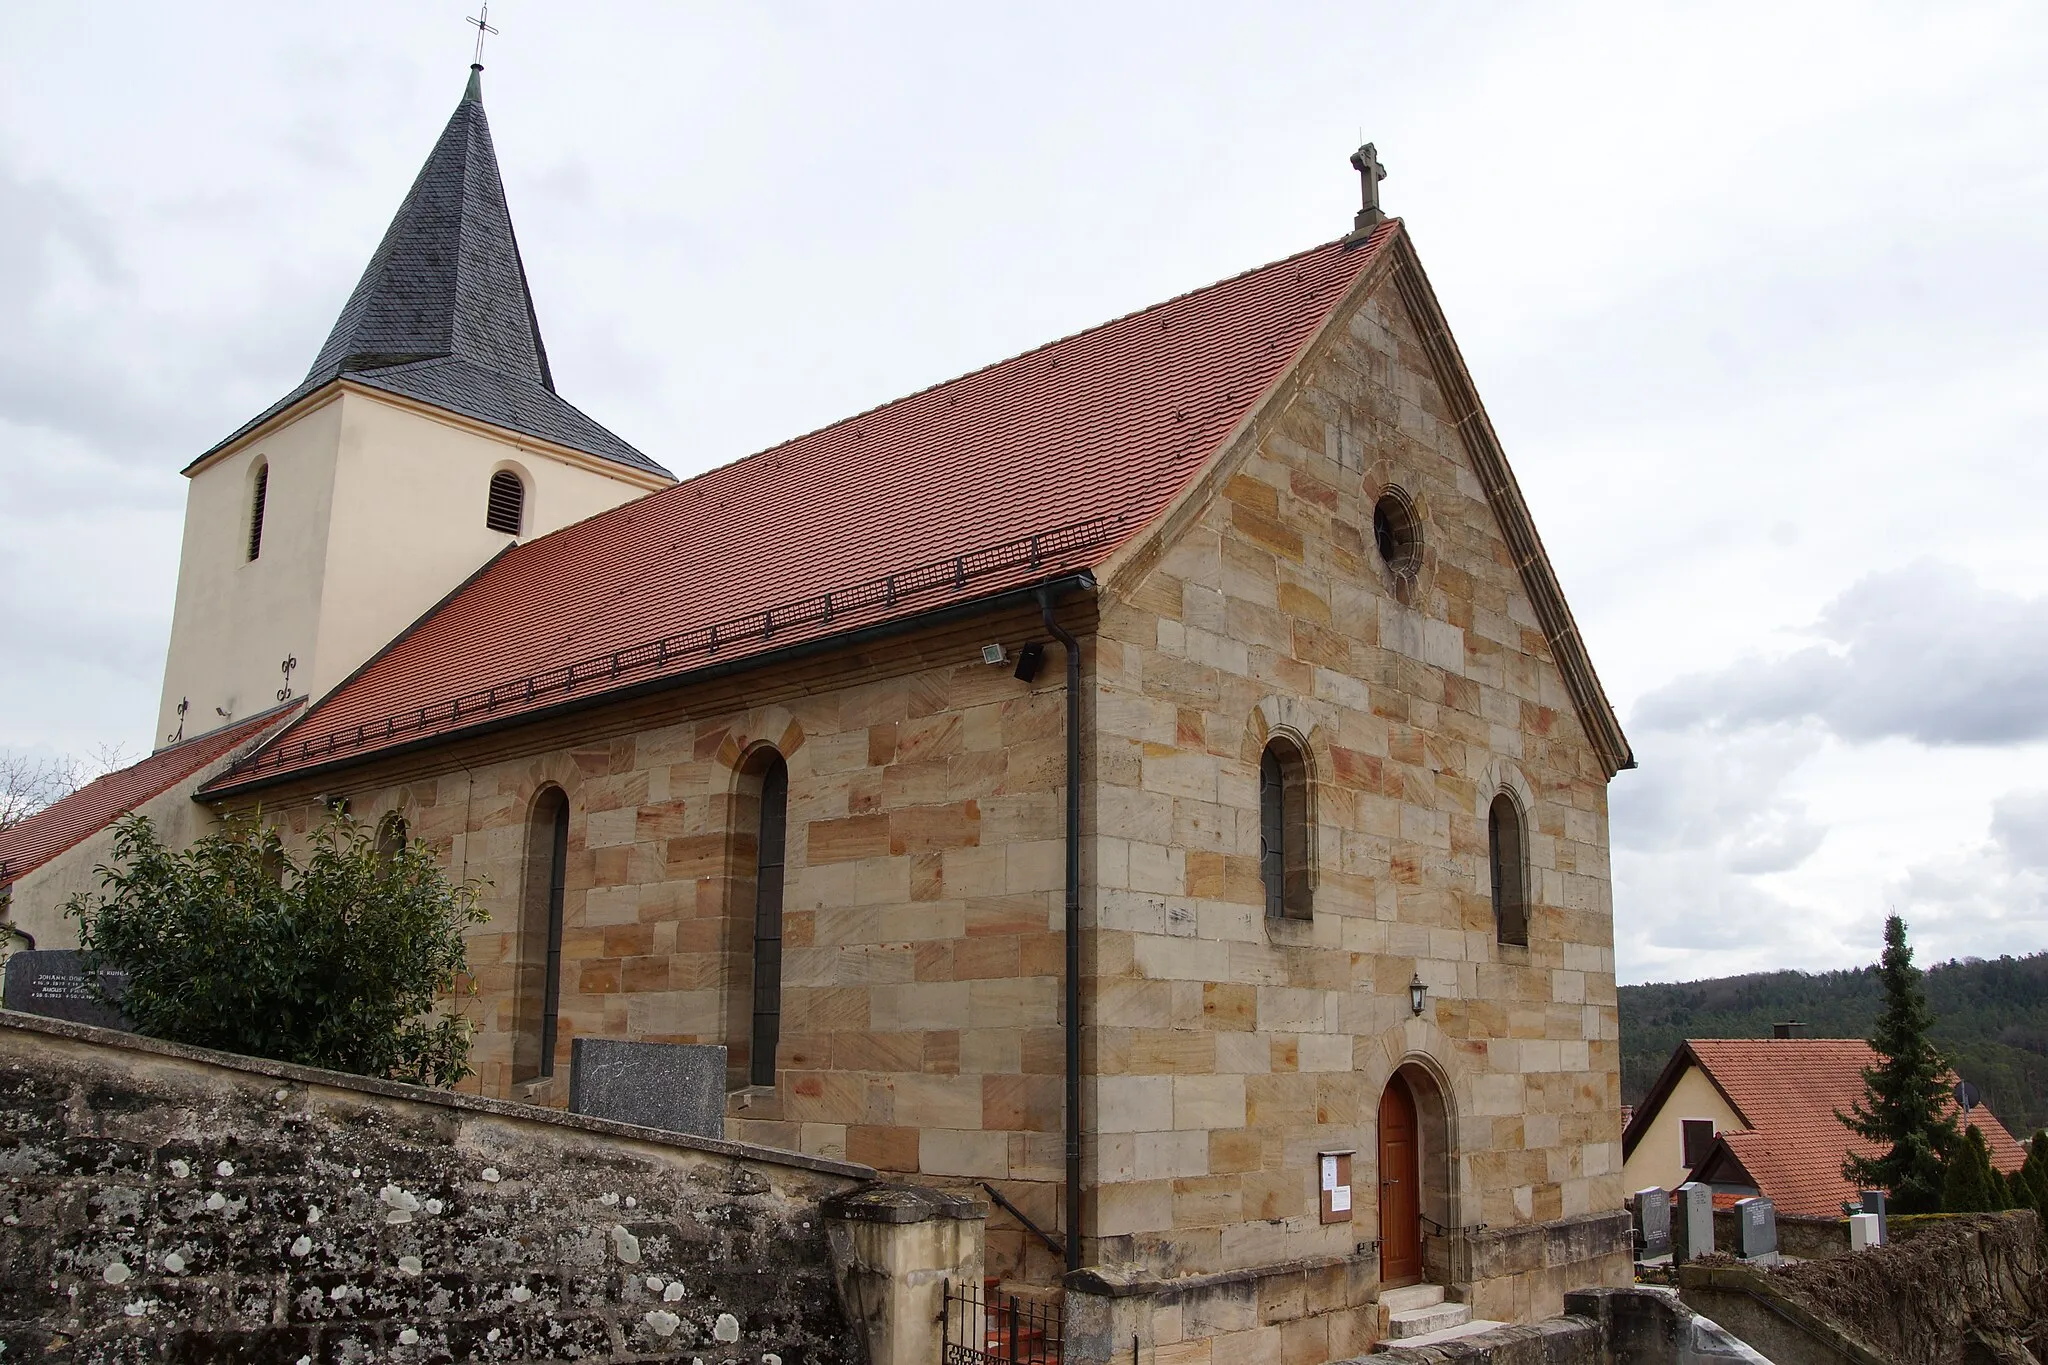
152	1209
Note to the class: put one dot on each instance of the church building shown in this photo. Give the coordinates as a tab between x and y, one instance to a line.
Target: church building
1156	777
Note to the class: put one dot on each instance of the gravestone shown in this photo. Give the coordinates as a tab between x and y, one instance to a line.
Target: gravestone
676	1086
1756	1229
52	982
1864	1231
1873	1202
1692	1235
1651	1210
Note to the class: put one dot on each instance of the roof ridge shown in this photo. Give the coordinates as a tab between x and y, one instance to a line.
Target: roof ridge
1025	354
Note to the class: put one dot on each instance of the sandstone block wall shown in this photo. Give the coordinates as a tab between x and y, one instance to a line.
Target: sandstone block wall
923	909
1231	1048
163	1203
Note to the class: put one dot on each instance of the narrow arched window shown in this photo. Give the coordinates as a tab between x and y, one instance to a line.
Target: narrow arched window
539	952
507	509
1506	852
391	836
1283	831
256	501
770	841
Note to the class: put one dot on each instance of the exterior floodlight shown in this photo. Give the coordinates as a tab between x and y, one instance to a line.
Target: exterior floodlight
1416	993
993	654
1029	660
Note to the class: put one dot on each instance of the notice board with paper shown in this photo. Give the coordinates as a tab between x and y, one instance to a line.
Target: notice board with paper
1333	1181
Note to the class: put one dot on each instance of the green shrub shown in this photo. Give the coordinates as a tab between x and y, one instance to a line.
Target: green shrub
337	962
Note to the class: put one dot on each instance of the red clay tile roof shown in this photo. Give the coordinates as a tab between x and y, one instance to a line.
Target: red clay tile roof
930	500
1787	1090
91	808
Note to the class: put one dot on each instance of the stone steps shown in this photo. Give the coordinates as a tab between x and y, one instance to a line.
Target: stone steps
1422	1311
1464	1329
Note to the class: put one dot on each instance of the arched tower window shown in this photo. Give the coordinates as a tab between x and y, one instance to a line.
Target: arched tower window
1507	852
257	498
1283	830
771	825
507	508
539	953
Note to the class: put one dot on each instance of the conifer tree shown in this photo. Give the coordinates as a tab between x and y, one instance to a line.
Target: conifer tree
1904	1108
2030	1184
1972	1184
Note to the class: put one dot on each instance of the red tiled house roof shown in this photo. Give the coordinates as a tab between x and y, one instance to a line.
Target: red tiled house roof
1788	1091
926	501
65	824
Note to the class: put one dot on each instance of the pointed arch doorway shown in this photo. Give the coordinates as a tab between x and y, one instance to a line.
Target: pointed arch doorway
1400	1168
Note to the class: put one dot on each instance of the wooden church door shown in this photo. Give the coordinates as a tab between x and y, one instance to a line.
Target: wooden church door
1400	1188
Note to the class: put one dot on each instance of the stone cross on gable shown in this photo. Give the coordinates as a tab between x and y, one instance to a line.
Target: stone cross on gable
1370	173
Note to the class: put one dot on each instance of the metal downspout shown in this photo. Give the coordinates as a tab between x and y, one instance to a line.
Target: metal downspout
1073	924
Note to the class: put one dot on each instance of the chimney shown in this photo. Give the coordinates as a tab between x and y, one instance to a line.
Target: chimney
1791	1028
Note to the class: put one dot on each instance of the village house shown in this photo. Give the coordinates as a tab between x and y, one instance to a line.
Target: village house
1757	1116
1156	776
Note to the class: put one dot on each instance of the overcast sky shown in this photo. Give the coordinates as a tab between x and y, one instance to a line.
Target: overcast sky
1755	295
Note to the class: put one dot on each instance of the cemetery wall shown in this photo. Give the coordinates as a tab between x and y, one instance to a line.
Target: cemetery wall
1959	1284
167	1202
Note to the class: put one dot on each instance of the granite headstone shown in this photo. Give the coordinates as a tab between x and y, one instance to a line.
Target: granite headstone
53	982
1651	1210
1873	1202
676	1086
1692	1234
1756	1229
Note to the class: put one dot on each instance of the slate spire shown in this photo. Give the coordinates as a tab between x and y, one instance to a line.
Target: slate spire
447	279
443	315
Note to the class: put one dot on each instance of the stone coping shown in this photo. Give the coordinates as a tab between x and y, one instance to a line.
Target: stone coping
420	1094
897	1203
1111	1284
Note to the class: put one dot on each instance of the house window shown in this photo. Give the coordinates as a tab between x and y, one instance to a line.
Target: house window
1505	852
507	509
256	501
1696	1137
1283	830
540	937
768	880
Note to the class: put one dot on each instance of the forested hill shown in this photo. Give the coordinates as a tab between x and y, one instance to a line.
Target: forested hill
1992	1020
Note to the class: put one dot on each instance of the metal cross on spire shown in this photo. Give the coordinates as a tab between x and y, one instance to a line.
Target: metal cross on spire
483	26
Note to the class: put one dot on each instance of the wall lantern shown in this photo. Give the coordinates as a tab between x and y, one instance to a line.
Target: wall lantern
1416	992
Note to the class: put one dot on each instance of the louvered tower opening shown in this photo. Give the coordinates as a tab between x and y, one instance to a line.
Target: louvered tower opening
507	510
256	511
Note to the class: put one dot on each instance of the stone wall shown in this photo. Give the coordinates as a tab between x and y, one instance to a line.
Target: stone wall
1230	1047
1960	1289
164	1202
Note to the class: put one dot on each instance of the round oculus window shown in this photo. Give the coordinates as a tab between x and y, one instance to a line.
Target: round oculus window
1397	533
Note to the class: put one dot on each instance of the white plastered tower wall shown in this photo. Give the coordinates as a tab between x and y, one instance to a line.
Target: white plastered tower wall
374	511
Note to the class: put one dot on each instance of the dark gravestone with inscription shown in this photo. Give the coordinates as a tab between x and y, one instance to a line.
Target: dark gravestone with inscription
1756	1229
1652	1211
52	982
676	1086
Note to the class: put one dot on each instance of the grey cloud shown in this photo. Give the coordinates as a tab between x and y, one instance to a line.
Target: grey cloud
2019	828
1988	899
1924	653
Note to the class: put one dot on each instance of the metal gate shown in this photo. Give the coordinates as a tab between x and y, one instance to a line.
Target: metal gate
983	1326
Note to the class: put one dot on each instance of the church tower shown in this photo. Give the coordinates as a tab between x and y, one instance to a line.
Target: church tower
426	438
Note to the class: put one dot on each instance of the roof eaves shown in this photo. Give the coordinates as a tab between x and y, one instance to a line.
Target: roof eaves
1660	1090
227	787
